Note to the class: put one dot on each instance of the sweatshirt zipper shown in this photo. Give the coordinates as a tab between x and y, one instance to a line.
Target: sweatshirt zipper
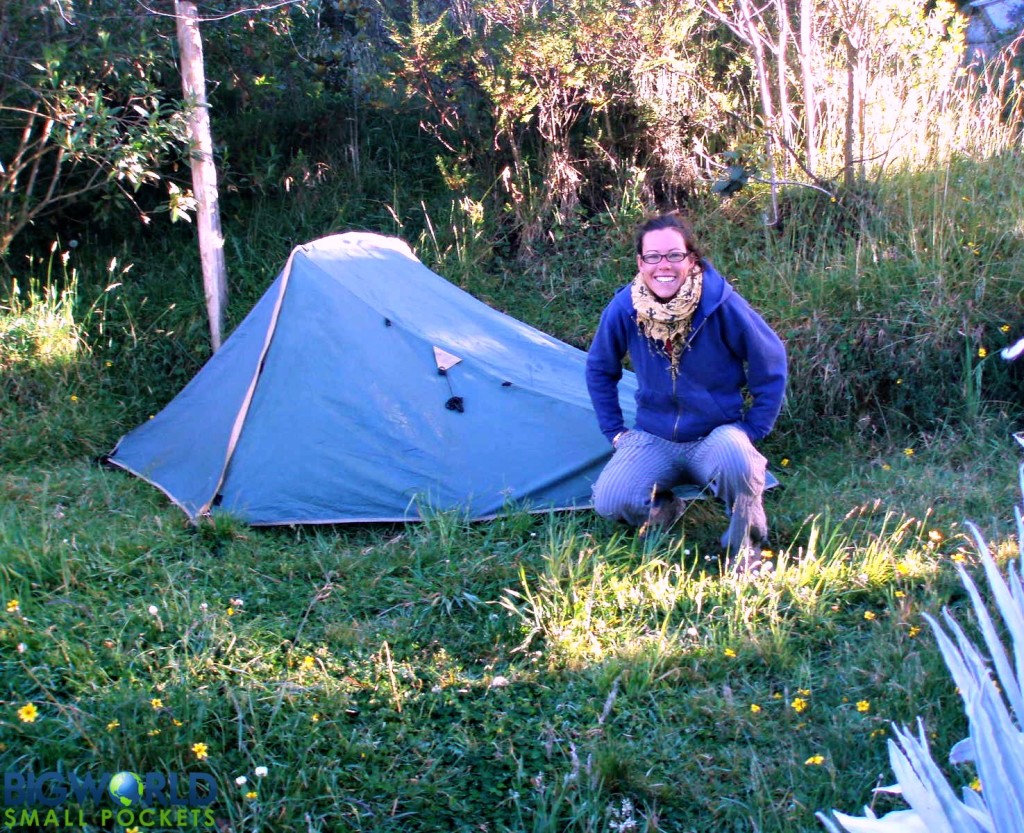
675	381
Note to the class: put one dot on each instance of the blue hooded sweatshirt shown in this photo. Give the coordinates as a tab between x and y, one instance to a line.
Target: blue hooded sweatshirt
730	351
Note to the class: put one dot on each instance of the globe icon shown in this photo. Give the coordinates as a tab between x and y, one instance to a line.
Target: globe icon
126	788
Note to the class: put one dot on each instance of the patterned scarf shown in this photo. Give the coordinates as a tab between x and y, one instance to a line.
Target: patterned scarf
667	323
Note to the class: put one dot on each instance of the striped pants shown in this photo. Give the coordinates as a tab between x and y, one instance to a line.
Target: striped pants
646	467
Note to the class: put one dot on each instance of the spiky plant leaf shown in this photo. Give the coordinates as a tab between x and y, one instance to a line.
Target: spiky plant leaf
1000	759
925	787
1014	622
996	742
898	821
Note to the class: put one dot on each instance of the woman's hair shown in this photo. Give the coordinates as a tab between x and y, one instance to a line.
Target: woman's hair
672	220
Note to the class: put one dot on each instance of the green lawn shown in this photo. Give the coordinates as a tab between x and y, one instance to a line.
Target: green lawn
534	673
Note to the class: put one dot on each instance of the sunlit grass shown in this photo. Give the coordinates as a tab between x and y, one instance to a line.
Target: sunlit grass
38	327
593	599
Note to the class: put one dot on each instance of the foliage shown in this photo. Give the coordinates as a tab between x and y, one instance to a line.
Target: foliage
623	95
994	707
85	115
427	691
550	107
544	114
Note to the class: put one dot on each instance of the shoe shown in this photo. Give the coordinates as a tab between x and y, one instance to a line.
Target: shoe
748	562
665	512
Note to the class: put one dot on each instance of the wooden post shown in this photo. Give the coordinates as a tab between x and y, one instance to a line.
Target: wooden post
204	172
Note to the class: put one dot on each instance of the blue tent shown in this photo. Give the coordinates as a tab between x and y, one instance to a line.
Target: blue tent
364	387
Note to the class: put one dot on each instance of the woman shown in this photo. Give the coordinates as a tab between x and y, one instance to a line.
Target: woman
701	355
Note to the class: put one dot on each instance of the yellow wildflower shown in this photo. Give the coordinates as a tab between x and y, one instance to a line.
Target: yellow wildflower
799	704
899	594
863	706
784	462
754	708
870	615
113	724
729	652
156	703
914	631
251	794
815	760
28	713
982	352
14	606
909	452
976	785
201	750
307	664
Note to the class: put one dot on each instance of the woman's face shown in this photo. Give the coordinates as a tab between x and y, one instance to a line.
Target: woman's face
663	278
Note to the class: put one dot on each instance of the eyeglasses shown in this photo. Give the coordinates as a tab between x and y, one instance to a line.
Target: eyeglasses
651	258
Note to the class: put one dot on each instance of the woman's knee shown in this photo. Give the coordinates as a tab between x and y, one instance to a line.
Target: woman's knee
734	448
619	501
623	489
738	467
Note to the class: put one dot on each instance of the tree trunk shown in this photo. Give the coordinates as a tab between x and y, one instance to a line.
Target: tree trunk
851	109
204	172
807	77
767	103
785	114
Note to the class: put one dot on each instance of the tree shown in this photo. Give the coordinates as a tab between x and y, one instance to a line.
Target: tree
83	108
204	171
548	101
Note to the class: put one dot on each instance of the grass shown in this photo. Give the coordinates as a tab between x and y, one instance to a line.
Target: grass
529	674
532	673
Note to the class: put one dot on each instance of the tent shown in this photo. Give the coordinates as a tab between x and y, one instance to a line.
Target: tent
364	387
